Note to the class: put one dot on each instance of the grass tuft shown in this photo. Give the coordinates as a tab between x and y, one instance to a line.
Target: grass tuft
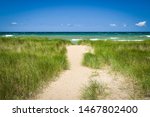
93	91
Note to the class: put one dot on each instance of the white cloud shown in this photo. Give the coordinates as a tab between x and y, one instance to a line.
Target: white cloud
124	25
61	24
73	25
66	25
113	25
77	25
141	24
14	23
69	25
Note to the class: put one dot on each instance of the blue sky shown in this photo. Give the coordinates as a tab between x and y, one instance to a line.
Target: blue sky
74	15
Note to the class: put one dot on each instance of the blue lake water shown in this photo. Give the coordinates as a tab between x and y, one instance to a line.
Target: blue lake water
84	35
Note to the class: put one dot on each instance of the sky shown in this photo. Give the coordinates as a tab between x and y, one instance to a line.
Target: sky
74	15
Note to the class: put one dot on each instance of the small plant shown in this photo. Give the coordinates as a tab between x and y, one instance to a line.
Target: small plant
94	74
93	91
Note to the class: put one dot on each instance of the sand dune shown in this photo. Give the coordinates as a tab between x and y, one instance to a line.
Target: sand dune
69	84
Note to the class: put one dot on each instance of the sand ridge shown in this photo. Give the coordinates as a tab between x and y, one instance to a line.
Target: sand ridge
69	84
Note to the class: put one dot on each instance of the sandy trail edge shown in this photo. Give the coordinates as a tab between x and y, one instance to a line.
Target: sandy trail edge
69	84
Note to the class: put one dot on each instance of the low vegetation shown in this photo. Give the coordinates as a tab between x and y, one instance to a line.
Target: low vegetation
132	59
27	62
93	91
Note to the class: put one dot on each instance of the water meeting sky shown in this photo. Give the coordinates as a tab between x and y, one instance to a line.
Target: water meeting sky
74	15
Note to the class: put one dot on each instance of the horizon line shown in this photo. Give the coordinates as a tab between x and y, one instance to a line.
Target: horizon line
74	31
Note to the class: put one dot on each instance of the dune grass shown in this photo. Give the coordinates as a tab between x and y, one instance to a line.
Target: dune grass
27	62
132	59
92	91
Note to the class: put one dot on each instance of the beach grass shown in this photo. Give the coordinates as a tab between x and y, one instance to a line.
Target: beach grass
27	62
132	59
92	91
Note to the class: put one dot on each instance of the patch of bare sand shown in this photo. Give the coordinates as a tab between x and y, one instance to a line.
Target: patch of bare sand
69	84
116	86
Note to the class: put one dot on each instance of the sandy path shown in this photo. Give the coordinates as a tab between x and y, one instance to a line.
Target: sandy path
68	85
70	82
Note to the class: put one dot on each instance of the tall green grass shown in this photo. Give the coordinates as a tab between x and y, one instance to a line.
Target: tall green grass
26	63
132	59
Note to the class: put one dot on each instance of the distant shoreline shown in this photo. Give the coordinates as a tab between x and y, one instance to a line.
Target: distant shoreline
75	36
78	36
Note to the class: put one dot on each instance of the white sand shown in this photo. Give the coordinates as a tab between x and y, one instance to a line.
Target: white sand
69	84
